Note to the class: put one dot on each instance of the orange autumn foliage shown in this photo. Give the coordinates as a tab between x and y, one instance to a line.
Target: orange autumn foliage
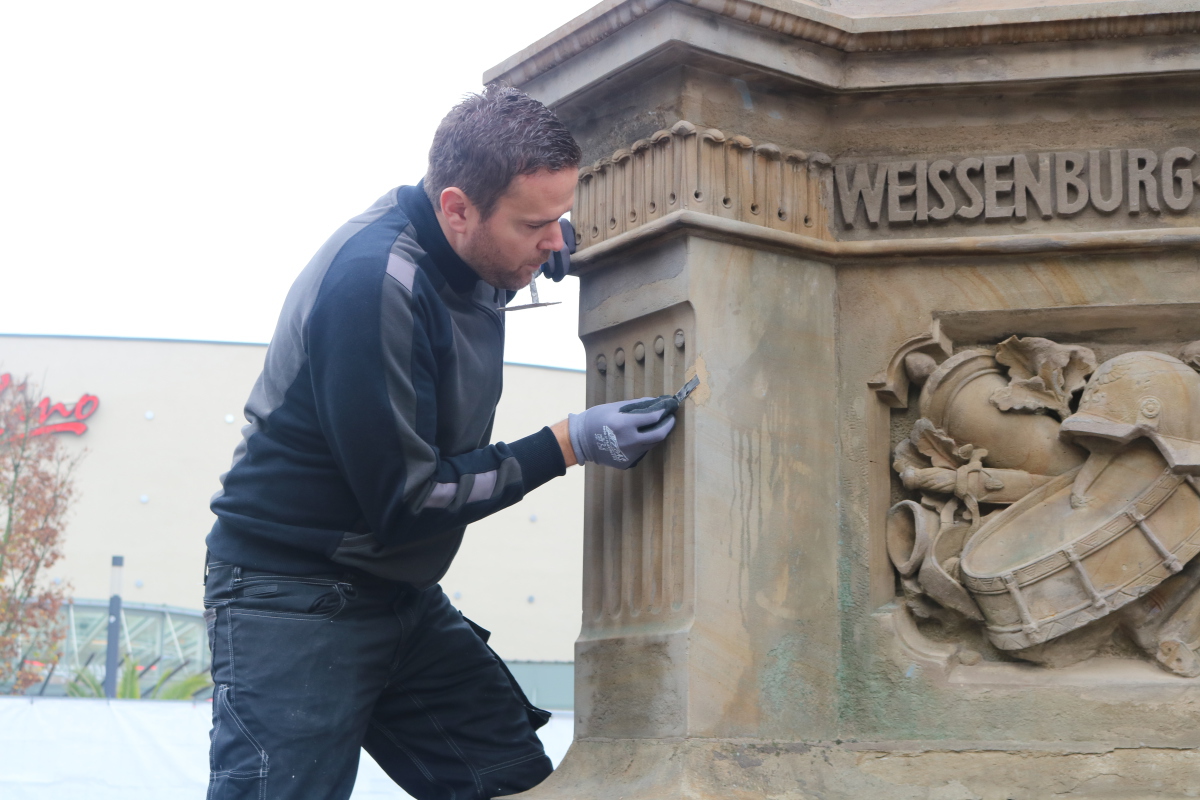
35	495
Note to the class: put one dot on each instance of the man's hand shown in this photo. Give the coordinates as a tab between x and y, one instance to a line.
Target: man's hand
559	263
617	434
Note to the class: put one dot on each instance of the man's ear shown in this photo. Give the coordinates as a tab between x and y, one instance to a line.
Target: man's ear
457	209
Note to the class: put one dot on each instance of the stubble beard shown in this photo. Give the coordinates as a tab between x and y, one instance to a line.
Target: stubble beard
482	256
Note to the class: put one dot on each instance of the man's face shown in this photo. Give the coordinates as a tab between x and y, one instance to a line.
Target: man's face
507	248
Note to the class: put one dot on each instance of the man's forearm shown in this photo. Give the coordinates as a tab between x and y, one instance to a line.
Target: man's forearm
563	434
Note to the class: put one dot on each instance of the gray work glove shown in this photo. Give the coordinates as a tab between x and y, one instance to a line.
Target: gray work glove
619	434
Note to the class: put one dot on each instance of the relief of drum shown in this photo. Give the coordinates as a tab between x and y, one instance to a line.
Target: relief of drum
1055	503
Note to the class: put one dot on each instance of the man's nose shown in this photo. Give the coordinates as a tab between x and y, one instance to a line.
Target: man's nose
554	239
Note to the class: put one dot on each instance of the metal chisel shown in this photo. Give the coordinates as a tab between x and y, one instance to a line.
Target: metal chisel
533	293
687	389
668	401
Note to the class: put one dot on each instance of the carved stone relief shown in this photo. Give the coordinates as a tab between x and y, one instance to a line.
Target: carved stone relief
1053	504
637	571
692	168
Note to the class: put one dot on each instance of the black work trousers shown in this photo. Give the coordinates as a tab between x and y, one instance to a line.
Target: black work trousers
307	670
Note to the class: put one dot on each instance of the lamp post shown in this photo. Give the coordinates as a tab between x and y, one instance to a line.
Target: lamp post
114	627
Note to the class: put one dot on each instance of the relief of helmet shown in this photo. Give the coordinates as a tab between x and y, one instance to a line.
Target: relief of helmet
1139	394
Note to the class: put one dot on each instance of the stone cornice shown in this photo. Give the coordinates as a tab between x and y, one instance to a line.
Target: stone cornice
703	178
884	32
688	167
1062	244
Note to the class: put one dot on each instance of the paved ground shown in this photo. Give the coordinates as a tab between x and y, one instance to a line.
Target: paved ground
114	750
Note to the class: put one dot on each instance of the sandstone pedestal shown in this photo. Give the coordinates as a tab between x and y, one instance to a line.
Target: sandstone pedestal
816	207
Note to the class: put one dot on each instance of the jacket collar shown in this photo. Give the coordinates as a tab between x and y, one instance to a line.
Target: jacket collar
416	204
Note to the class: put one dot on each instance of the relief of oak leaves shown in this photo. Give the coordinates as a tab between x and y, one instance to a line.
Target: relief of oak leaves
1043	374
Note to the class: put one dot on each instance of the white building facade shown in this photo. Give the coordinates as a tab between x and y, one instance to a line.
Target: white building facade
165	418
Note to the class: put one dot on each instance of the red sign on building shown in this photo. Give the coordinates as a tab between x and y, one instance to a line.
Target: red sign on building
72	418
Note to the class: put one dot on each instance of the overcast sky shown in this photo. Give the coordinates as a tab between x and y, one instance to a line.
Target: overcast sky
166	169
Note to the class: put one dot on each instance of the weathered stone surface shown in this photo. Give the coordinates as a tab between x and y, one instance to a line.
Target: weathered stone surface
749	770
823	209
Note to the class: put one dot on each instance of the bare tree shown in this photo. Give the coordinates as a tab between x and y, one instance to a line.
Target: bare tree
35	495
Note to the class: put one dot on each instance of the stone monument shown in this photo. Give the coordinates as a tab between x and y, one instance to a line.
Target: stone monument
927	527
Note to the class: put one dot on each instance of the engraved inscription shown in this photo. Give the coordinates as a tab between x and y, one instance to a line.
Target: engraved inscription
1000	187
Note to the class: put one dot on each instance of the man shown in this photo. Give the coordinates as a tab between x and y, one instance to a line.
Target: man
366	456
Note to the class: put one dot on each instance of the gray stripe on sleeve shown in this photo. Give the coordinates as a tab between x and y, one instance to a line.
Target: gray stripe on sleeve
402	270
396	328
471	488
485	485
441	496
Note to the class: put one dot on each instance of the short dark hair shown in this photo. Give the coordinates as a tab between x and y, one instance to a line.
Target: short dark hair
490	138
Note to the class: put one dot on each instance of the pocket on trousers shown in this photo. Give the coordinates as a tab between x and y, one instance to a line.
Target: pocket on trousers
210	625
288	597
237	763
537	716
